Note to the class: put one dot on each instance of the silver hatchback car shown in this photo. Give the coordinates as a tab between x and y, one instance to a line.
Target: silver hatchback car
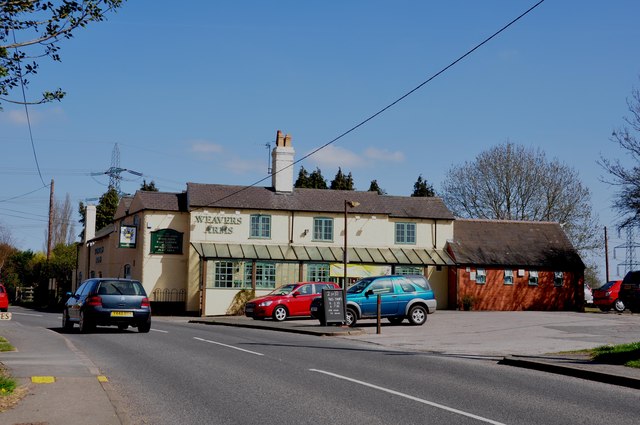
108	302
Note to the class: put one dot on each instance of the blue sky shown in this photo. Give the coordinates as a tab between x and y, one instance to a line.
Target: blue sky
192	92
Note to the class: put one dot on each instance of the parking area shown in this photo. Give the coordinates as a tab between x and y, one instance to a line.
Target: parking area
478	333
507	333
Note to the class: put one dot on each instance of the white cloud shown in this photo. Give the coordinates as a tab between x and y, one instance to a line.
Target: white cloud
376	154
202	146
334	156
36	116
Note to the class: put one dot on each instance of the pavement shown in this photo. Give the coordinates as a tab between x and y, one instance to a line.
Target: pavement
544	341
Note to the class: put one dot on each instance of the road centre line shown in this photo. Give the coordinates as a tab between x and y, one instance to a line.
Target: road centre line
419	400
158	330
228	346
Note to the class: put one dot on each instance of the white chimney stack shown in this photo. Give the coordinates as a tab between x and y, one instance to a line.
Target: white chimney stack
282	164
89	223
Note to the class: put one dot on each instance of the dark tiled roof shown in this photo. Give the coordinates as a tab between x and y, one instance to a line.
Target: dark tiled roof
314	200
161	201
513	243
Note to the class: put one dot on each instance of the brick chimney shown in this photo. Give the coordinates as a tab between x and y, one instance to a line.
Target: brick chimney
282	164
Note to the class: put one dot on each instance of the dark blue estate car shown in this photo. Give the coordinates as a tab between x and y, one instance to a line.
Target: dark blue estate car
108	302
401	297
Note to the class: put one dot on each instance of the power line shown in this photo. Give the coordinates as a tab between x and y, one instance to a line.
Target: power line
389	106
26	111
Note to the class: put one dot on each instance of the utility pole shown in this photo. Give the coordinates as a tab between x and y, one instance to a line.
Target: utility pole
606	253
50	231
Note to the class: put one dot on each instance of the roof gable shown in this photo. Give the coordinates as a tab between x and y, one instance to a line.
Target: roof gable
513	243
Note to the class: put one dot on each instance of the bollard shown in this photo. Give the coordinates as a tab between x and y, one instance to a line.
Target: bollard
379	305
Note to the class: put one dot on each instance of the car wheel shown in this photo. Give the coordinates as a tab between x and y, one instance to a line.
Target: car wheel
279	313
396	320
618	306
417	315
123	326
351	317
85	323
67	325
144	327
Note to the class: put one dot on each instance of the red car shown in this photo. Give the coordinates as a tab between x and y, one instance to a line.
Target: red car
606	297
4	299
289	300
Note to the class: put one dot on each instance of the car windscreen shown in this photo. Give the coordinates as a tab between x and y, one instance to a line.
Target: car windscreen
283	290
359	286
121	287
605	286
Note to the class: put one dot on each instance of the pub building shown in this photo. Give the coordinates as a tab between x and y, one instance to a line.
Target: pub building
199	249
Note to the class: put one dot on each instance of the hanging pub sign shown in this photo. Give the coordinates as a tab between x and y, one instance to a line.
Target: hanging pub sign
166	241
127	236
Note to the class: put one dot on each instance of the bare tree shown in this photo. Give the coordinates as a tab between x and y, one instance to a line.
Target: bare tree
63	225
627	180
511	182
6	245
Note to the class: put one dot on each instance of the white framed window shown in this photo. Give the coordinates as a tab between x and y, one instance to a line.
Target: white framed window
406	233
558	279
481	276
318	272
260	226
323	229
265	275
404	270
533	277
508	277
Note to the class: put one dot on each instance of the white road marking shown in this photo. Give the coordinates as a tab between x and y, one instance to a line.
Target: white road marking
228	346
158	330
419	400
26	314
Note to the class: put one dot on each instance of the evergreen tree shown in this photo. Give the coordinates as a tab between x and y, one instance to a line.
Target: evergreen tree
148	187
106	208
303	179
422	189
374	187
316	180
342	182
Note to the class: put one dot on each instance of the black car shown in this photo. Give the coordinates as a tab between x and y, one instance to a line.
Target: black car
108	302
630	291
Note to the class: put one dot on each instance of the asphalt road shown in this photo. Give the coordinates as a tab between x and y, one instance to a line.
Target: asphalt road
196	374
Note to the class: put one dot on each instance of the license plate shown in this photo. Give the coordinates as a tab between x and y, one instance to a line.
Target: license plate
248	310
314	308
122	314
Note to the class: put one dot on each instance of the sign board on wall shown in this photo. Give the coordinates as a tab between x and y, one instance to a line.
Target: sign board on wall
166	241
127	236
358	270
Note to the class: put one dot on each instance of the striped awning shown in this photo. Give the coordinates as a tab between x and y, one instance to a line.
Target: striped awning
408	256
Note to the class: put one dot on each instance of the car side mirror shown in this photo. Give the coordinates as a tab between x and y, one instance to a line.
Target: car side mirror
295	294
369	292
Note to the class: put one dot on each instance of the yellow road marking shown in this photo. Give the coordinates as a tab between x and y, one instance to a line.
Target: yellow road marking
102	378
43	379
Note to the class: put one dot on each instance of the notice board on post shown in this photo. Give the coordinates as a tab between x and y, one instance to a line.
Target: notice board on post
333	301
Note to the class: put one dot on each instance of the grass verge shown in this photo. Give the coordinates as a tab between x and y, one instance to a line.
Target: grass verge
5	346
624	354
10	393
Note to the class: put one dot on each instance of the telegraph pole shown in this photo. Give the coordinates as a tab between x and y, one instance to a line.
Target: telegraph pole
50	231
